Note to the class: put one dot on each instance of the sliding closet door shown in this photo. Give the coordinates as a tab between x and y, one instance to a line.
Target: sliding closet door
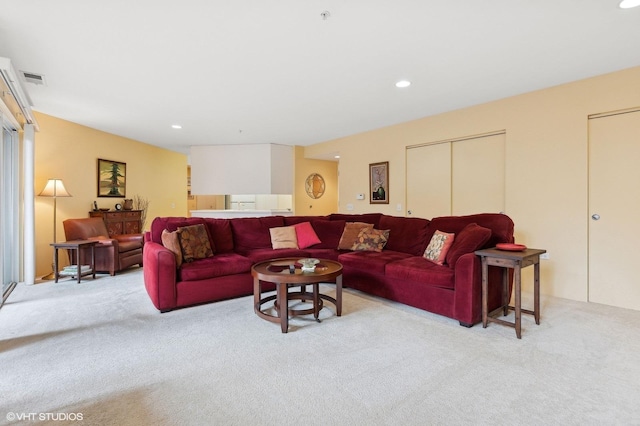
457	177
614	206
478	175
429	180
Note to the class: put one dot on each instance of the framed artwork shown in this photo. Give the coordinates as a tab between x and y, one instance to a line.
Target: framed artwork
112	178
379	183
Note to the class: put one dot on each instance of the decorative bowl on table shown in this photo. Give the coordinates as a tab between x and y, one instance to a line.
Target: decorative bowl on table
104	209
308	264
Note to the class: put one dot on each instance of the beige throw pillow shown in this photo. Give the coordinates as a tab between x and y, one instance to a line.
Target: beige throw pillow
284	237
170	241
350	234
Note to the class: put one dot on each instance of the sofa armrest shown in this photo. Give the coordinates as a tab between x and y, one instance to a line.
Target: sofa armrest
160	275
130	238
468	289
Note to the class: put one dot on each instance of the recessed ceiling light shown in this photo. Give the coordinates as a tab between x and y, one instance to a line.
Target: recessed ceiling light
336	156
176	126
403	83
628	4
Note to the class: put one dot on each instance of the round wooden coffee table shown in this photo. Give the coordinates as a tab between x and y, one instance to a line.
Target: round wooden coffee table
278	272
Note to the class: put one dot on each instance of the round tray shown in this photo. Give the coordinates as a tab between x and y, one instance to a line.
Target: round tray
511	247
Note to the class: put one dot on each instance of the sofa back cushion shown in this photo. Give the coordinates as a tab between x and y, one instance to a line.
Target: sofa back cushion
372	218
329	233
253	232
161	223
407	234
292	220
472	237
501	226
221	235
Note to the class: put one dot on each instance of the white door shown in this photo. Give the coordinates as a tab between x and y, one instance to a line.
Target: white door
614	207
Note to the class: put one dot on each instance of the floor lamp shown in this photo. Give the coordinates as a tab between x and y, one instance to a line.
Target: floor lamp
54	188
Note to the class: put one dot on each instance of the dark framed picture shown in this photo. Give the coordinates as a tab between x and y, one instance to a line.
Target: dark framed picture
112	178
379	183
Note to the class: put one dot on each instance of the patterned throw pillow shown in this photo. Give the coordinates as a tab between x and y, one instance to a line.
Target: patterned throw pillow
170	241
283	237
438	247
194	241
371	240
350	234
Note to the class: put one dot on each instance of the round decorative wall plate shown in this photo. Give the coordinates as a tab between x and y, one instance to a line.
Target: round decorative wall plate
314	185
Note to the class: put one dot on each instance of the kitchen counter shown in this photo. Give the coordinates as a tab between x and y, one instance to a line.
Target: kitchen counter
228	214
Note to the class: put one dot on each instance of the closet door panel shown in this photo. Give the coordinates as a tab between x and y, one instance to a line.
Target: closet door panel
478	175
429	180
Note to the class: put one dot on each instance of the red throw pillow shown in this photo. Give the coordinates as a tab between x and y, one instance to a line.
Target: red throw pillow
472	237
307	237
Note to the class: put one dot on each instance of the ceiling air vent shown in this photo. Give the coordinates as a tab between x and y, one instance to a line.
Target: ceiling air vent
31	77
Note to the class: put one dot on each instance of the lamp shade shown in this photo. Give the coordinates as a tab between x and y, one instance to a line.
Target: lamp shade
54	188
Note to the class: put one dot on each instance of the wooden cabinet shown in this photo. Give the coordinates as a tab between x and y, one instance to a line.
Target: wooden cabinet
121	222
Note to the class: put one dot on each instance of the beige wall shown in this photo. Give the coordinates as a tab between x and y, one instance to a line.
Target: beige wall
546	165
305	205
70	151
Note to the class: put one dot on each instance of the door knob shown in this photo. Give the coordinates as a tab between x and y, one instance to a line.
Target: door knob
595	216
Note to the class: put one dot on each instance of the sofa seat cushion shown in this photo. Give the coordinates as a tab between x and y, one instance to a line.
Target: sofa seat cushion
259	255
323	253
216	266
420	270
129	245
373	261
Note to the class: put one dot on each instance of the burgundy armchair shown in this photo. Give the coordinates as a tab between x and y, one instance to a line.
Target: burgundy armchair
112	253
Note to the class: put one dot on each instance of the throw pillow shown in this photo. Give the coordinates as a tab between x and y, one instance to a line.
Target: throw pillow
306	235
350	234
371	240
170	241
438	247
194	242
283	237
472	237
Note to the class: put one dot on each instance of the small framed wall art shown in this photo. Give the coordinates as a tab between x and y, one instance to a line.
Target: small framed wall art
112	178
379	183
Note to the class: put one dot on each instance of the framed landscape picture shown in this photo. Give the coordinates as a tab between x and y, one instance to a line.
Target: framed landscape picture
112	178
379	183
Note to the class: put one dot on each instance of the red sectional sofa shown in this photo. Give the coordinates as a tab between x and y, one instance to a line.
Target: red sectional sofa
399	272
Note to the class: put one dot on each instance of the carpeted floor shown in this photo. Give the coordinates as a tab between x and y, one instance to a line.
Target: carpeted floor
100	351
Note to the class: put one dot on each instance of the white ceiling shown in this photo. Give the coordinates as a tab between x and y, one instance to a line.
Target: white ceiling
257	71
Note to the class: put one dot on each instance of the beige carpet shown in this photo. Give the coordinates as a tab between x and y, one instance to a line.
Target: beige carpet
100	350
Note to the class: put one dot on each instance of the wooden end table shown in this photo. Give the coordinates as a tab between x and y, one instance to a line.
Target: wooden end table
75	245
277	271
515	260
